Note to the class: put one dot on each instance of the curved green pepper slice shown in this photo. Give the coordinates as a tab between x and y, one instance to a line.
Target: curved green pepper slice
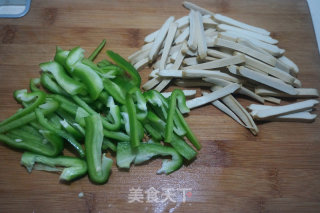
75	167
99	166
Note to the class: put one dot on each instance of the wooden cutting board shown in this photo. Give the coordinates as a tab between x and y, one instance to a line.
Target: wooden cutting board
276	171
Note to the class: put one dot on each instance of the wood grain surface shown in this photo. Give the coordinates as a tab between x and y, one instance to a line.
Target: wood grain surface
276	171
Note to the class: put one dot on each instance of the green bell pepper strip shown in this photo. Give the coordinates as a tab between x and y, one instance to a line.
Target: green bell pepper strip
48	83
133	121
90	78
139	127
23	140
155	135
119	136
125	65
190	135
160	106
147	151
71	130
75	55
34	84
99	166
114	90
30	129
103	63
125	155
177	143
46	108
74	167
61	56
70	85
65	104
76	145
94	54
177	95
108	144
114	111
22	95
141	104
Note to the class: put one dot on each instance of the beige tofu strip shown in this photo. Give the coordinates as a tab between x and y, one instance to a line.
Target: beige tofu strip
276	72
175	66
301	93
226	110
242	90
263	79
191	83
160	38
210	74
218	63
192	41
226	20
270	48
200	37
196	102
167	45
240	111
246	33
246	50
272	99
283	110
290	63
192	6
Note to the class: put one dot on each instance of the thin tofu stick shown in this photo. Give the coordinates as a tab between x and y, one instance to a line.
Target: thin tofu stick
143	54
218	63
192	6
272	99
290	63
225	109
151	83
151	37
175	66
217	54
242	90
230	21
248	43
294	117
246	50
190	61
263	79
209	74
137	53
187	93
270	48
283	110
183	36
154	73
167	45
191	83
304	116
192	42
201	39
210	32
270	70
171	73
208	23
301	93
196	102
182	22
239	110
141	64
249	34
160	38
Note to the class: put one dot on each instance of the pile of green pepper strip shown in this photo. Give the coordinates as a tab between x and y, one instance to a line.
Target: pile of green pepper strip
100	104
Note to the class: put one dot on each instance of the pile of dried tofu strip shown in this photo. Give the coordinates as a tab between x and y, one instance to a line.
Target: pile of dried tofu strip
209	50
